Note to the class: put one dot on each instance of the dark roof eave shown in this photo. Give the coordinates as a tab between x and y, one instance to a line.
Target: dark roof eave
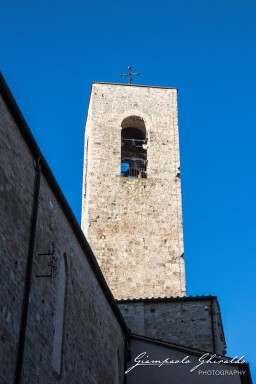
167	299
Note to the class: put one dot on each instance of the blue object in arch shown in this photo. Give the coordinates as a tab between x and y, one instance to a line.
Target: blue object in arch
124	167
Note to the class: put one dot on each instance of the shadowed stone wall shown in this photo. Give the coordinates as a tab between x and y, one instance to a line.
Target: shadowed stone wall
92	339
188	321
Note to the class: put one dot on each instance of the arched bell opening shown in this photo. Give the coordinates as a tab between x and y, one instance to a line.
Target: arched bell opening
133	148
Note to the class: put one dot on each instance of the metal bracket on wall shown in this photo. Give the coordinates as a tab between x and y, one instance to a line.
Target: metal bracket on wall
52	263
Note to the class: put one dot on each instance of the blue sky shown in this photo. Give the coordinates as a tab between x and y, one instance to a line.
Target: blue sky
51	51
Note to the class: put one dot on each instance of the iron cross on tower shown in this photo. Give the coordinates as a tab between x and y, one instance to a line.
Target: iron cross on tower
129	74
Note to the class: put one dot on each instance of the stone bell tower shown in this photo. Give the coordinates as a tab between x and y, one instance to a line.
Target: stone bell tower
132	213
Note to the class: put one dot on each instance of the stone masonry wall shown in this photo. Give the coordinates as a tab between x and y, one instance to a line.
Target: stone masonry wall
189	322
134	226
93	340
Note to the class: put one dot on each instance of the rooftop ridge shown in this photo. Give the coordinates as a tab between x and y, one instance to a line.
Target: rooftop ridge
134	85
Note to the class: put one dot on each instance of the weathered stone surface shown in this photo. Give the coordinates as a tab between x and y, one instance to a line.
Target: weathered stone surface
134	226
